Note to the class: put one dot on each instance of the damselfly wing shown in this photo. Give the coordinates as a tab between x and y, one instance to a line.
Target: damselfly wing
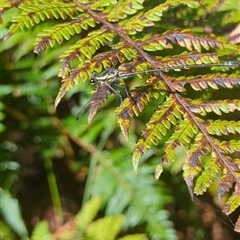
98	98
108	82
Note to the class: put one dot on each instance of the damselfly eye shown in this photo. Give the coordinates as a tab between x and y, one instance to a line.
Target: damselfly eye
92	81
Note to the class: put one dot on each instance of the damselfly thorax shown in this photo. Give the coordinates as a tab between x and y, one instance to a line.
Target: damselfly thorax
108	82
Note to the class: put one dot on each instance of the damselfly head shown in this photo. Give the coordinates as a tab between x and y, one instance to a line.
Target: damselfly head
93	79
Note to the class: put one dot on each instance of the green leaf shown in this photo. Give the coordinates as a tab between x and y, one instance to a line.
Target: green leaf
10	209
106	228
41	231
88	212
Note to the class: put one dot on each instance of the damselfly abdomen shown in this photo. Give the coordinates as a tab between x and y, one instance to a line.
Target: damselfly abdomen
108	82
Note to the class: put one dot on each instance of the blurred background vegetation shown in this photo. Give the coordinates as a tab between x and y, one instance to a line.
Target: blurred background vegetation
52	164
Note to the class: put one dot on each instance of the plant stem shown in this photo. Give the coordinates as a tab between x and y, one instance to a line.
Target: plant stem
52	183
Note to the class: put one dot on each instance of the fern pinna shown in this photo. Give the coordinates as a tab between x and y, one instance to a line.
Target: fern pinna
196	109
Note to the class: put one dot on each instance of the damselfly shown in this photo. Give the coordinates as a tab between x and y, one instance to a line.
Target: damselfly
108	82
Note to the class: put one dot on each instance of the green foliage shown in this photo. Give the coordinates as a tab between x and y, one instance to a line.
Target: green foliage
88	213
10	210
2	116
6	232
144	205
41	231
137	36
84	226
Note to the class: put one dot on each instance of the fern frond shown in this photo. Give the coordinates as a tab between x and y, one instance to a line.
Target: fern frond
233	16
97	5
81	73
196	141
10	210
213	81
162	120
186	58
192	166
139	99
210	170
100	228
182	114
97	100
36	11
5	5
182	38
226	184
220	127
183	135
62	31
147	19
183	60
230	147
218	107
121	9
237	225
234	201
83	226
88	213
84	49
41	231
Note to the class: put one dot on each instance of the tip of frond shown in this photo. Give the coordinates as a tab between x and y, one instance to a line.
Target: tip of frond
135	161
158	171
58	99
67	84
237	225
124	125
9	34
138	152
123	121
189	182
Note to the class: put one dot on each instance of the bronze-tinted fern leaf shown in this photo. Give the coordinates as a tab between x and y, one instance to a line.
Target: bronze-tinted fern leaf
93	42
83	50
213	81
70	81
192	166
181	61
152	89
183	38
233	201
218	107
226	183
99	97
164	118
230	147
237	225
187	59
